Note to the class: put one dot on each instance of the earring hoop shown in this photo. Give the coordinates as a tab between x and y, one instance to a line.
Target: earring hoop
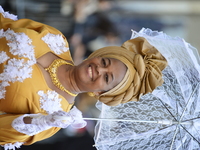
91	94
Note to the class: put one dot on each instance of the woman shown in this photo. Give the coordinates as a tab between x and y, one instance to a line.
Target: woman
39	81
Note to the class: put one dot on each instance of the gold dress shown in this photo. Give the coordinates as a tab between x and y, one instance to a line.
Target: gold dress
23	87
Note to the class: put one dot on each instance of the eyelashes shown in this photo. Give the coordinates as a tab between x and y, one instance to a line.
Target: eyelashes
106	75
104	62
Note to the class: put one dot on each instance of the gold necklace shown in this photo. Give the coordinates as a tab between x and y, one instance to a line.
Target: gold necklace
52	69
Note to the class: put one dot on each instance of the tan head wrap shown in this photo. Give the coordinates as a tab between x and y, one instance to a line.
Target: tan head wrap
144	65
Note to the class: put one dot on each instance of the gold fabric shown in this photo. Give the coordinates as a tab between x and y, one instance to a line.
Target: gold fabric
21	97
144	74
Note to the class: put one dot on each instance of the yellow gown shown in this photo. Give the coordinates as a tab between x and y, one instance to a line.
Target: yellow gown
22	84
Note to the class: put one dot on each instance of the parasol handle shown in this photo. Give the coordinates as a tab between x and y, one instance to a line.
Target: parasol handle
165	122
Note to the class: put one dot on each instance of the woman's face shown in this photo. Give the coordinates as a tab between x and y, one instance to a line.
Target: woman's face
99	74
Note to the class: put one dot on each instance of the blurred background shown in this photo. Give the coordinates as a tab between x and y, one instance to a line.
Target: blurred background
92	24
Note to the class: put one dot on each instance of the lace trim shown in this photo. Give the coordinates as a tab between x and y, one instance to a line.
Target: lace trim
16	69
146	32
28	129
56	43
3	84
7	14
3	57
50	102
11	146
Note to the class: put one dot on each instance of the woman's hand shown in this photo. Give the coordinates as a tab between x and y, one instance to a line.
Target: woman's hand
61	119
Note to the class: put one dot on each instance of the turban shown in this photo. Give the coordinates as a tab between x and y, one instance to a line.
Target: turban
144	70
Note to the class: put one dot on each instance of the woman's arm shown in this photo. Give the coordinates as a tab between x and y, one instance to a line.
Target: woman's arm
9	137
29	128
44	38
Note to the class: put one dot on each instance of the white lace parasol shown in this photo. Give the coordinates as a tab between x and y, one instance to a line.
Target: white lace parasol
177	101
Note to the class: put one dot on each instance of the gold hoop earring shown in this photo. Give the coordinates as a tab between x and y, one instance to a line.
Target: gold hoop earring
91	94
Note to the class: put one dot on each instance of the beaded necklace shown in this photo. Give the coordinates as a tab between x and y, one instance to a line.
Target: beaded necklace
52	69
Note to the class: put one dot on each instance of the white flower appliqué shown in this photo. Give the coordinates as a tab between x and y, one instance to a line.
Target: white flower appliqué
3	84
56	43
10	146
16	70
7	14
50	101
20	68
3	57
20	44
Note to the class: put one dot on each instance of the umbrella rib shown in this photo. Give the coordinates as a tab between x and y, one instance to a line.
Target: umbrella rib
190	134
176	126
190	98
176	131
168	110
198	134
197	131
180	125
177	110
181	138
181	118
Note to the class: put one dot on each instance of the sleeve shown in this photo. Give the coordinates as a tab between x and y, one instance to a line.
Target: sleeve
9	136
44	38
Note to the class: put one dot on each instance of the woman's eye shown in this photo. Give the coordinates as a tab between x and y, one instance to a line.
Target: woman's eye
106	78
104	62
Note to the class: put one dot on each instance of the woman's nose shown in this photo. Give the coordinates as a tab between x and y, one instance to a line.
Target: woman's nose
101	70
